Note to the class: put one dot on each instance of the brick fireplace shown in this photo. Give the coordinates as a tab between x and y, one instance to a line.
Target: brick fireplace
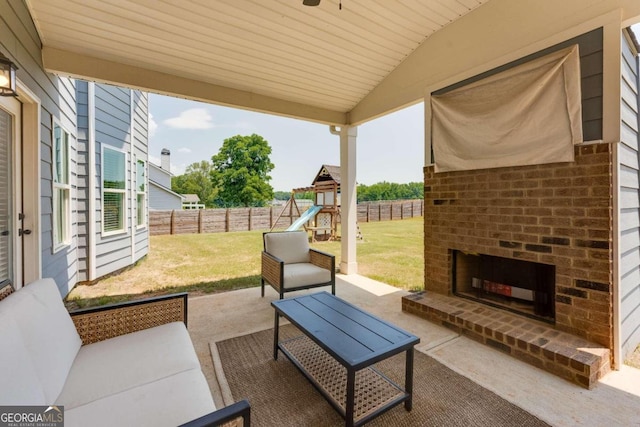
557	215
520	286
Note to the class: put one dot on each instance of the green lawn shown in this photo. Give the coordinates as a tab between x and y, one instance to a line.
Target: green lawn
391	252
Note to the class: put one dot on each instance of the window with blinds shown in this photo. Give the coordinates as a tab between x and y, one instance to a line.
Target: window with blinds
140	193
61	188
113	190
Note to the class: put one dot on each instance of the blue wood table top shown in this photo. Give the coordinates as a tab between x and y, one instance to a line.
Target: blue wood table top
351	335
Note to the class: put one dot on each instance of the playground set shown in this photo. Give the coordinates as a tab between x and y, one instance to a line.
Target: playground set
322	218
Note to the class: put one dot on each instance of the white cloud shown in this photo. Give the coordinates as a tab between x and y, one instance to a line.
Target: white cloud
178	169
184	150
153	125
194	118
155	160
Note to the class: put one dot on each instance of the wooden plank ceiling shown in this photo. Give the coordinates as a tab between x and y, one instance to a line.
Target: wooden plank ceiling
323	57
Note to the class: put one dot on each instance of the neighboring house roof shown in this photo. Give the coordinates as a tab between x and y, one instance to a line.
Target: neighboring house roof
191	198
328	173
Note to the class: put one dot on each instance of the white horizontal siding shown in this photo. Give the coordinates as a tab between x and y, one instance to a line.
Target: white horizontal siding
115	118
628	176
629	203
140	138
160	199
19	41
157	174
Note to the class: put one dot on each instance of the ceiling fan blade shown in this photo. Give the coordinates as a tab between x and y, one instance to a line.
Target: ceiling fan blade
310	2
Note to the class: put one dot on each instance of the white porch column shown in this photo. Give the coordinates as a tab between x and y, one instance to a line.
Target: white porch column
348	199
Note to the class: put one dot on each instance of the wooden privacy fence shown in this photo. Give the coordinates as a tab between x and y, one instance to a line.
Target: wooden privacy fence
389	210
246	219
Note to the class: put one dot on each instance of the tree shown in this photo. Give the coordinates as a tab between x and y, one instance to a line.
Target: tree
197	180
282	195
241	171
308	195
286	195
390	191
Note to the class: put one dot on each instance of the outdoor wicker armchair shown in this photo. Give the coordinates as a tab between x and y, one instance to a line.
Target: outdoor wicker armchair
289	264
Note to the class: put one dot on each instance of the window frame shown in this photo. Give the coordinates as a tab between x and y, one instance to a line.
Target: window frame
123	192
60	238
143	194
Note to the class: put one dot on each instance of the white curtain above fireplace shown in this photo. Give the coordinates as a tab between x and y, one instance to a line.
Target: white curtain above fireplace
528	114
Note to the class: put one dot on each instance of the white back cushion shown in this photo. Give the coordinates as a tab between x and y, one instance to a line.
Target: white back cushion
19	384
47	331
290	246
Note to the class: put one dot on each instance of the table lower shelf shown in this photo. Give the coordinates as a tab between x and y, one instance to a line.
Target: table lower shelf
374	392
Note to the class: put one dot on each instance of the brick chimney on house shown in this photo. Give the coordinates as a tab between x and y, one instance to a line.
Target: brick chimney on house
165	159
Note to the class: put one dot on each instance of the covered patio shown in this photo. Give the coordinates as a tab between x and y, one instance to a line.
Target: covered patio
347	62
613	401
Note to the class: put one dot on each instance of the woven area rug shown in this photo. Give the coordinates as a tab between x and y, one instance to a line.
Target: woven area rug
281	396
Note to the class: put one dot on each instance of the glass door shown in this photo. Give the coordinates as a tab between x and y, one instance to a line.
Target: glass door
10	242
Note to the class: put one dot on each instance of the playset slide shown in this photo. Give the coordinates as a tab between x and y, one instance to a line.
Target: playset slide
306	216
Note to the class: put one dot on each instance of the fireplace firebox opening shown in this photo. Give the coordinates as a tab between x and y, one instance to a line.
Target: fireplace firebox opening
519	286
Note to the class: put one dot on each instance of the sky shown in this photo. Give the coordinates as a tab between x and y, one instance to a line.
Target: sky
390	148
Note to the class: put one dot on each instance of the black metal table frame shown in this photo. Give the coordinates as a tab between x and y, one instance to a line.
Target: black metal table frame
351	372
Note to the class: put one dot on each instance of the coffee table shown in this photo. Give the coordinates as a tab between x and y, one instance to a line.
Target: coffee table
339	345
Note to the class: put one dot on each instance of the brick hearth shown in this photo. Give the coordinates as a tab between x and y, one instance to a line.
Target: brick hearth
533	342
558	214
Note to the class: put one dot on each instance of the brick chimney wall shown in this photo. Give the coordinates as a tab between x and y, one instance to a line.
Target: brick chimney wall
559	214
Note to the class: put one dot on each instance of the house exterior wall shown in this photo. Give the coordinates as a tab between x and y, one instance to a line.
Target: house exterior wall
84	173
160	176
160	195
161	199
19	41
629	206
120	118
140	120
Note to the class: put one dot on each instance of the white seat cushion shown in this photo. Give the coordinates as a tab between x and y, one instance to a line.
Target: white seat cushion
290	246
170	401
47	331
128	361
19	383
302	274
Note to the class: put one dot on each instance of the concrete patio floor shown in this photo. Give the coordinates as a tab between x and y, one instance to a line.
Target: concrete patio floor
614	401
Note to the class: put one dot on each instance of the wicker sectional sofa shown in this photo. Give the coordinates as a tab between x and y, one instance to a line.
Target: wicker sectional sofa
125	365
